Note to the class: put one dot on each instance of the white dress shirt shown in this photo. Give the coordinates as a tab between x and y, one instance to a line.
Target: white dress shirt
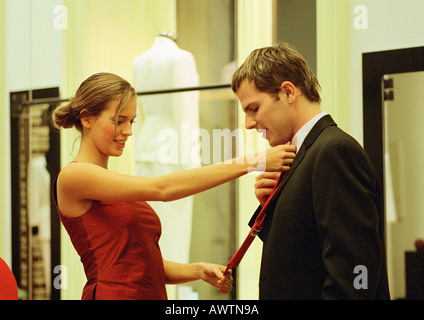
300	136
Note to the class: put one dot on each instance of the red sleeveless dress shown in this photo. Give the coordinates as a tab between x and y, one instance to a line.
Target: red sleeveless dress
118	246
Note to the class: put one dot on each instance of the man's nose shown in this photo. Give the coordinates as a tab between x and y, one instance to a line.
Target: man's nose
250	122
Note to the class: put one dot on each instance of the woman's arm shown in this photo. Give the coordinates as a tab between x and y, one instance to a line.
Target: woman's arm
176	273
84	181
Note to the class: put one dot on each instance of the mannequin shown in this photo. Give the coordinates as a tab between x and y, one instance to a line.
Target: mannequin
166	66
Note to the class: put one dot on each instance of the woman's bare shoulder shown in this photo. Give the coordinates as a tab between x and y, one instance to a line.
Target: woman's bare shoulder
76	175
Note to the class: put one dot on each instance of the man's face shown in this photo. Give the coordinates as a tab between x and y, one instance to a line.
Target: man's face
263	111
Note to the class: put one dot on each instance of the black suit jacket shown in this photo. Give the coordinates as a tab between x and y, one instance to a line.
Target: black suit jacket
325	220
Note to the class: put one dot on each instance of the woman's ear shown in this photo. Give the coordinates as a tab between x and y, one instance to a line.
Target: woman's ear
86	121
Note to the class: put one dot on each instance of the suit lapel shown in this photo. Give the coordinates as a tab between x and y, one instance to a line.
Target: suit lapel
322	123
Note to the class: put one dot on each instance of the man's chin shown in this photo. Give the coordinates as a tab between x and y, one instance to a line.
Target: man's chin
277	143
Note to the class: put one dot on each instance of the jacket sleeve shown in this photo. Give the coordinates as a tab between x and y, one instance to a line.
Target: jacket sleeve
346	202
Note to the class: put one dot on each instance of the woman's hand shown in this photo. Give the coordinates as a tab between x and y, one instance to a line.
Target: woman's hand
214	275
278	158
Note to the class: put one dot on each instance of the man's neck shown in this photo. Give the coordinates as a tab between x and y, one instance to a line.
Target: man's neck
306	111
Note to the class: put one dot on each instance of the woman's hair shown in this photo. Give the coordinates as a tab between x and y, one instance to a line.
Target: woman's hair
92	98
269	67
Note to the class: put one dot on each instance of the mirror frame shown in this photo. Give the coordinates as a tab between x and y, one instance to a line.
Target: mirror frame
374	66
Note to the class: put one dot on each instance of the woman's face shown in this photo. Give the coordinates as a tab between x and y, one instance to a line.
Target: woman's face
109	137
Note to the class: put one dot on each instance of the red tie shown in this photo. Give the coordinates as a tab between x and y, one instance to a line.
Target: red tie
257	226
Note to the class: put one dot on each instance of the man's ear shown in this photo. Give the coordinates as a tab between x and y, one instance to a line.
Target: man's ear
289	91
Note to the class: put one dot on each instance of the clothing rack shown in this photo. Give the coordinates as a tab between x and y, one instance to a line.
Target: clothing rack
31	138
55	101
32	146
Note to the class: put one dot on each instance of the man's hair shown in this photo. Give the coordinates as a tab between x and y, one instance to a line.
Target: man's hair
269	67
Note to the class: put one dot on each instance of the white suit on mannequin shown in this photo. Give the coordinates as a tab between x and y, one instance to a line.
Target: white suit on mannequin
166	66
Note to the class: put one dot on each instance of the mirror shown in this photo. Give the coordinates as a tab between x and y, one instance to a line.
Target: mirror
392	109
35	159
403	172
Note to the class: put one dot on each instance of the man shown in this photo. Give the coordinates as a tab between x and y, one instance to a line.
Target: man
323	235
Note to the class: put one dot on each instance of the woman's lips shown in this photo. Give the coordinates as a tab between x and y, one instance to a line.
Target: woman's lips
121	143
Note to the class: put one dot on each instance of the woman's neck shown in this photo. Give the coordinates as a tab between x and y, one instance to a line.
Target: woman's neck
91	155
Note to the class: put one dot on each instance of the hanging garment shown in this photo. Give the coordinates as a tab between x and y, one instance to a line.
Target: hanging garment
39	221
169	119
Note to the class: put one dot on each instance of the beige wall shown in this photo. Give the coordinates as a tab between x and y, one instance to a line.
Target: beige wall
254	30
4	135
333	57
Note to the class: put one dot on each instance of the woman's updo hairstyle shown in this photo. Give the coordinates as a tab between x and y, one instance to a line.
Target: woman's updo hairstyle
92	98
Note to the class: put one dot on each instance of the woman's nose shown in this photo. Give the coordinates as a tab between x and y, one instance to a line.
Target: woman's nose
127	131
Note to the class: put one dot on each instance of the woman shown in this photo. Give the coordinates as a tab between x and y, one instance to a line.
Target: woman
111	226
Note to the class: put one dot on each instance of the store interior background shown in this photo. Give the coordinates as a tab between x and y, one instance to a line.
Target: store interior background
106	35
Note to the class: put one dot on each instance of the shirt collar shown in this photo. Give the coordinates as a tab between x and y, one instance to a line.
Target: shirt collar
300	136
